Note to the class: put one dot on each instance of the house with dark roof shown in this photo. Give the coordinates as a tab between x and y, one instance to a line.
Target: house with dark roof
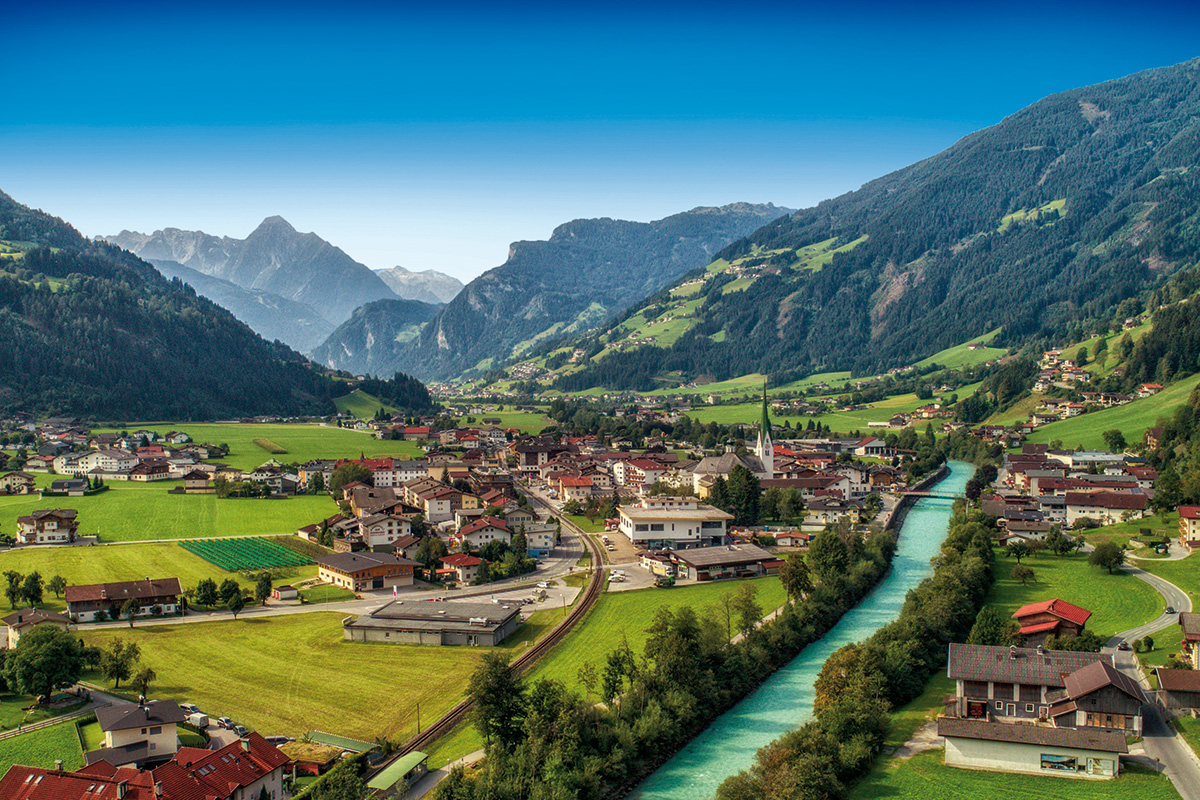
84	602
1039	621
364	571
1189	621
138	735
1178	688
48	526
447	623
724	561
20	622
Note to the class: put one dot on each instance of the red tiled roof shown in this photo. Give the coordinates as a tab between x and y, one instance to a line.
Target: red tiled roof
219	773
1059	608
1043	626
461	560
481	523
1189	512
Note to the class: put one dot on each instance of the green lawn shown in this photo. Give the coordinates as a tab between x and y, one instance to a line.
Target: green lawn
1190	728
963	356
93	737
326	593
1132	419
12	711
1118	602
620	615
909	717
362	405
137	512
1122	532
924	776
41	748
1184	573
127	562
463	740
303	442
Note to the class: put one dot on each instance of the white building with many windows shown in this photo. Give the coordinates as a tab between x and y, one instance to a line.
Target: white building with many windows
673	522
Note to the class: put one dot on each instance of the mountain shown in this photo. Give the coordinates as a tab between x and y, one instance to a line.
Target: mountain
588	270
369	342
1053	222
276	258
271	316
92	330
428	286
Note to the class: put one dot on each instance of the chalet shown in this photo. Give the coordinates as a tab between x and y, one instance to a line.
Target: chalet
20	622
138	735
17	483
84	602
422	622
39	463
462	567
1189	524
1189	621
150	470
381	529
197	482
1059	618
48	526
483	531
360	572
1106	507
574	487
1148	390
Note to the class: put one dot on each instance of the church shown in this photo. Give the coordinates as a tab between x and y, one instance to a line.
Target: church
762	463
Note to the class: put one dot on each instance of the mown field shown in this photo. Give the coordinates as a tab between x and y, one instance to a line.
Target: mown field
1132	419
925	776
126	562
129	512
291	674
41	748
362	405
963	356
303	442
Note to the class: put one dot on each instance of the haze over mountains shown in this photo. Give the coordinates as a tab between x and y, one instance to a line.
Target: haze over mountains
428	286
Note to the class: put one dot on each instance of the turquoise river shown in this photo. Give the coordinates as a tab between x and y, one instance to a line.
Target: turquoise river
782	703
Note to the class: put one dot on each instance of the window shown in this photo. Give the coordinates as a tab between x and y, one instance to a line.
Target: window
641	527
157	729
999	704
1029	707
657	526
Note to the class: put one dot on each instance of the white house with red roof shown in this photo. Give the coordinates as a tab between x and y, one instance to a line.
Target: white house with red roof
1189	526
484	530
1056	617
460	567
575	487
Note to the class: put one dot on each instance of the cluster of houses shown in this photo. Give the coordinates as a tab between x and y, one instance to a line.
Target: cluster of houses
1040	488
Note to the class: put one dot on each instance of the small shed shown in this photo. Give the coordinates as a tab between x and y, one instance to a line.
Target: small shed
1178	689
394	780
285	593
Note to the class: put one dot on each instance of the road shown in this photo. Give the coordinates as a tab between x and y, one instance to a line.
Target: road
1161	741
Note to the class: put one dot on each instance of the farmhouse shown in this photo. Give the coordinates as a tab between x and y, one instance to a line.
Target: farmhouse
48	526
1178	688
21	622
84	602
17	483
364	571
723	561
422	622
1039	621
1034	749
137	734
1189	621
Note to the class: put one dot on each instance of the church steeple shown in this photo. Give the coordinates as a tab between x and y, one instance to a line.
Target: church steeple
766	448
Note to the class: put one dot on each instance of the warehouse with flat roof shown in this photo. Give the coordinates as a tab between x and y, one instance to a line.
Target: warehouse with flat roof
724	561
435	623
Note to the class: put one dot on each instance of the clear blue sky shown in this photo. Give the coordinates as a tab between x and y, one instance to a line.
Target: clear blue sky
433	138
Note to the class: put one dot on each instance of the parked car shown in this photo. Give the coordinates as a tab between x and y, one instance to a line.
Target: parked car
198	720
188	708
225	722
240	730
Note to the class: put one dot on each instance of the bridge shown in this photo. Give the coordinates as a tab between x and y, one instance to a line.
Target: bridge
927	493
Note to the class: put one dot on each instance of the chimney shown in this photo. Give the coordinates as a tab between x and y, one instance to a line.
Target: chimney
104	594
121	788
158	789
1012	652
58	764
245	744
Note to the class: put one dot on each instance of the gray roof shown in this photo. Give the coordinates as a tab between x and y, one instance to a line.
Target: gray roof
412	615
1190	622
723	555
135	753
1022	733
125	716
724	464
353	562
975	662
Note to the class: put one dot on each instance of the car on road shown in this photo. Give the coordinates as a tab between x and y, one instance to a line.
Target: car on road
543	585
224	722
1170	609
1122	645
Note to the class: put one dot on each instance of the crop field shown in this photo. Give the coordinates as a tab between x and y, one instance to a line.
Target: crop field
626	616
244	554
127	562
925	776
1118	602
269	446
129	512
1132	419
303	442
41	748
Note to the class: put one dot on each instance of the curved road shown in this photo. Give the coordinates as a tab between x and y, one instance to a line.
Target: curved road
1159	738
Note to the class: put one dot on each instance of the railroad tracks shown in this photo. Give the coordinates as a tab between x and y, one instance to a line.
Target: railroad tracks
591	593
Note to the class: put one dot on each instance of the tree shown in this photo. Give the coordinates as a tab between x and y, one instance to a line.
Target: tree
118	660
142	680
1022	573
206	592
229	589
745	492
340	783
46	659
430	550
130	609
745	603
57	584
827	556
992	628
587	677
1109	555
348	473
262	588
1059	543
236	604
31	589
1168	492
498	692
12	589
1018	549
1115	440
795	577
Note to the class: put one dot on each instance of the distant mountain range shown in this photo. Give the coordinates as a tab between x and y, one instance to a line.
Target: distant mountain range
428	286
586	272
1055	221
92	330
370	341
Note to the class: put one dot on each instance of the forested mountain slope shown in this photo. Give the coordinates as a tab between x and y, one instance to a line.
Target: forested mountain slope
90	329
587	271
370	341
1041	225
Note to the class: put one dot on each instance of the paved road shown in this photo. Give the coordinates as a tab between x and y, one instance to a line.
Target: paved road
1159	738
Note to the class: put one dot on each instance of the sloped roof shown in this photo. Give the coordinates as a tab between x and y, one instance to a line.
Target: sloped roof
1082	738
1098	675
1059	608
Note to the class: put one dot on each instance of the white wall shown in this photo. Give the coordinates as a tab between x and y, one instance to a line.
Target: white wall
1013	757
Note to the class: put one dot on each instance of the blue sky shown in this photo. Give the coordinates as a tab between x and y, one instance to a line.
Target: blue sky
433	137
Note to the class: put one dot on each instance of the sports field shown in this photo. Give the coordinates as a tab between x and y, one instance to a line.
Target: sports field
129	512
126	562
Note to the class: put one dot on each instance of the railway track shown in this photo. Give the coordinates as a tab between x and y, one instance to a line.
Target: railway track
591	593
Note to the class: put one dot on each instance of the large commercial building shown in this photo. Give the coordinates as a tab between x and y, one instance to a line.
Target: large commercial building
423	622
673	522
363	571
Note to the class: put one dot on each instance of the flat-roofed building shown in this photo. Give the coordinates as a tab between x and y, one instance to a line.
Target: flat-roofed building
673	522
423	622
723	561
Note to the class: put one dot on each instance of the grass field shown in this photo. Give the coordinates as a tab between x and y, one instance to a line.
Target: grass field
924	776
1132	419
291	674
963	356
13	713
92	735
126	562
303	442
326	593
1118	602
906	719
620	615
362	405
129	512
41	748
1122	532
